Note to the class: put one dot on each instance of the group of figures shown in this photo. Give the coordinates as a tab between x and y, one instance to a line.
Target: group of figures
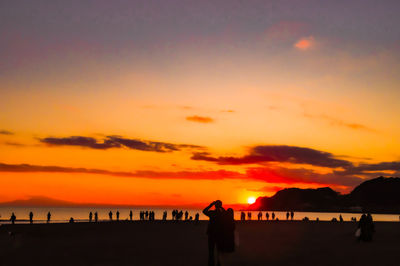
260	216
220	231
143	215
366	227
147	215
178	216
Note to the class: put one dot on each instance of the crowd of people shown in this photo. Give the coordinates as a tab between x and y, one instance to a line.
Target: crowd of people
267	216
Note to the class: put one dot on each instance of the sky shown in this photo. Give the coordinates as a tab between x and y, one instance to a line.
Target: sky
159	102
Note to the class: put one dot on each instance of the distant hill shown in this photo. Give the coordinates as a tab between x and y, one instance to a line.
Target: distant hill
376	195
38	201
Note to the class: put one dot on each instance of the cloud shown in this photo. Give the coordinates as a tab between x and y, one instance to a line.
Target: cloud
200	119
196	175
371	169
338	122
118	142
6	132
305	43
278	153
301	175
81	141
268	175
227	111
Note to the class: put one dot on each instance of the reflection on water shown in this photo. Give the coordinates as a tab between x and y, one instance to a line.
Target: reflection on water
82	214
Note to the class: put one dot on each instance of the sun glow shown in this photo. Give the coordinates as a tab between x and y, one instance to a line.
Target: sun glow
251	200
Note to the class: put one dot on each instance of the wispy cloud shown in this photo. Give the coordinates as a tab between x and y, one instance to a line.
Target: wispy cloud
200	119
338	122
118	142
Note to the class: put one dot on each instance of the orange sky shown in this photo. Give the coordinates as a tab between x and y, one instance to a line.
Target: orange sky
149	107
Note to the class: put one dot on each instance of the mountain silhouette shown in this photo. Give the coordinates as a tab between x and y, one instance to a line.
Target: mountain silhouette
376	195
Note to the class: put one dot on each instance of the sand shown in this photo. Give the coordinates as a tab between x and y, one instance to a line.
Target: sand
185	243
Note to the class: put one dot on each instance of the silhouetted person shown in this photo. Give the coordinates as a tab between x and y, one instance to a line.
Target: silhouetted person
267	215
146	214
259	216
291	215
13	218
186	215
196	217
117	215
71	220
48	217
96	217
90	217
214	229
165	216
130	215
362	224
228	232
287	215
110	215
369	228
31	217
249	215
273	216
340	218
243	216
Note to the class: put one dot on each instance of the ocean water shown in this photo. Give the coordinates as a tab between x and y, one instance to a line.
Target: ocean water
63	214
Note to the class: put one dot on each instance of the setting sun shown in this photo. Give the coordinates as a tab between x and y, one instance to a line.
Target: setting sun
251	200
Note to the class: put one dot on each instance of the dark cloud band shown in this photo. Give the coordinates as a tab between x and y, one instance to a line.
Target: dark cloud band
118	142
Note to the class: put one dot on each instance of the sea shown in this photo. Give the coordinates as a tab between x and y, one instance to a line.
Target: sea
81	214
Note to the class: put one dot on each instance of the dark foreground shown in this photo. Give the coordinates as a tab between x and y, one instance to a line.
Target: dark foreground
180	243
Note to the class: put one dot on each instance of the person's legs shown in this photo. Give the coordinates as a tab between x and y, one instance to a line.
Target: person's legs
211	248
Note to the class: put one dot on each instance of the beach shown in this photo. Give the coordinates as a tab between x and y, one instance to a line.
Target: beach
185	243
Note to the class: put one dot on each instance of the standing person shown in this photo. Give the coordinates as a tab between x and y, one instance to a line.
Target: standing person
291	215
31	217
90	217
110	215
130	215
214	229
259	216
13	218
273	216
249	215
370	228
117	215
196	217
186	215
287	215
48	217
267	215
243	216
228	232
96	217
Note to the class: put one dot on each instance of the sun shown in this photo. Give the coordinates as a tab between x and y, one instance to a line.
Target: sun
251	200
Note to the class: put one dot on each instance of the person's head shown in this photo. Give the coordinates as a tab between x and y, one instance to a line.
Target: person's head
218	204
230	212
